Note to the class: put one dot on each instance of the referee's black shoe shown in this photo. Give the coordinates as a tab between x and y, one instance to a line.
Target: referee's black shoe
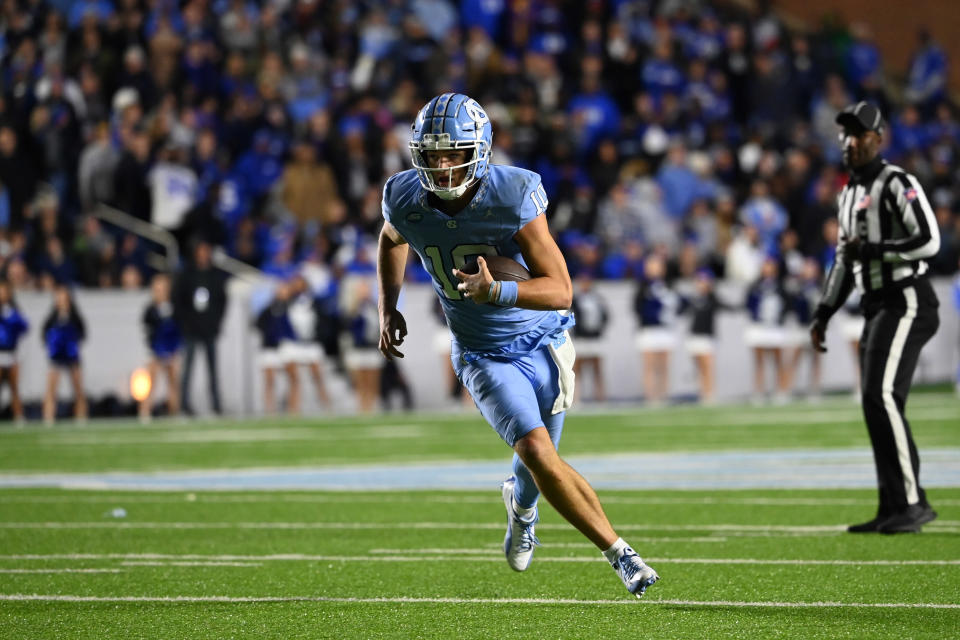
870	526
909	520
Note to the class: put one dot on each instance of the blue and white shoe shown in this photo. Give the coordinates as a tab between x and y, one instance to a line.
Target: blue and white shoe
636	575
520	541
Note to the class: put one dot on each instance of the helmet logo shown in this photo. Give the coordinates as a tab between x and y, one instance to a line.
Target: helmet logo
477	114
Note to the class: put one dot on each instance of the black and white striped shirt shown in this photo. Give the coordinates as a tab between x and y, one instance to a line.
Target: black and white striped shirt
882	205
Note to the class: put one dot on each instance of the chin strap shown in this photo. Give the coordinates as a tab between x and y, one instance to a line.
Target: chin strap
453	194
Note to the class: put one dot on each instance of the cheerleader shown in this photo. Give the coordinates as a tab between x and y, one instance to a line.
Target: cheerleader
275	329
12	327
703	306
590	310
361	340
163	340
305	349
768	304
63	332
656	306
805	299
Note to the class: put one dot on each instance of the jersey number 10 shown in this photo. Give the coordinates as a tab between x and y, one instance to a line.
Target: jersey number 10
458	259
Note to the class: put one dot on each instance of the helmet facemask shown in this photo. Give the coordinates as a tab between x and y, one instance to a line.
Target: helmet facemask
428	174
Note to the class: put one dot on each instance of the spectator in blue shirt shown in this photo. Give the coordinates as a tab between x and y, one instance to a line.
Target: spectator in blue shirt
4	207
63	332
54	265
438	16
944	127
927	79
660	75
680	185
378	39
13	325
699	95
593	112
909	133
706	41
486	14
805	74
200	74
259	168
765	214
863	58
100	9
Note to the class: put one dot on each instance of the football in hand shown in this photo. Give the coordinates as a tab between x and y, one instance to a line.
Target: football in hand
501	268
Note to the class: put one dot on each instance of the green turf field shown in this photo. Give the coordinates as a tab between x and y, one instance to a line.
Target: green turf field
748	563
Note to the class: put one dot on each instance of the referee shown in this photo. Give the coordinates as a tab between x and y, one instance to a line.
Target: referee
886	230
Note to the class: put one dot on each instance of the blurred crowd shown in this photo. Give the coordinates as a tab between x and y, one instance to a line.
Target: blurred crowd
683	128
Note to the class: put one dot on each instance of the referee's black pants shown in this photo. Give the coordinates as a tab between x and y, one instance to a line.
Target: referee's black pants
898	324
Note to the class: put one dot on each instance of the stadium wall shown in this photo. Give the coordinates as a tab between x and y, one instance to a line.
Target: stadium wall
115	347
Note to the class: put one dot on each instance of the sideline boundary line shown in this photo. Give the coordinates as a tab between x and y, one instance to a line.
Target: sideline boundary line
480	555
35	597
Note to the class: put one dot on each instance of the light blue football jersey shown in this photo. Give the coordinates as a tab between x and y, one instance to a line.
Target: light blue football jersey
507	199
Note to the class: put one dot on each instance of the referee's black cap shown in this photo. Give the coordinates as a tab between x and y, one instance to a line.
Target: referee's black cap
864	115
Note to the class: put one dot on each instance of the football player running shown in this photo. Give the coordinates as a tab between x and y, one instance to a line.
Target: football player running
510	345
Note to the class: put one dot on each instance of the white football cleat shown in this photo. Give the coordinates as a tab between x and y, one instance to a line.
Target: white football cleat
520	541
636	575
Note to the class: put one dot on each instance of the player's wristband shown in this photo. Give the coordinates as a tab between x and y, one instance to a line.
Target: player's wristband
492	291
507	296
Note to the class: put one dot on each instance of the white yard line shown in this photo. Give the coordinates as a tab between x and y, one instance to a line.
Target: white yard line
61	570
35	597
479	555
219	436
633	539
188	563
452	553
761	417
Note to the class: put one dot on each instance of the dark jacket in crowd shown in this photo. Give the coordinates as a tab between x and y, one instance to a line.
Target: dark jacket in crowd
199	301
130	189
